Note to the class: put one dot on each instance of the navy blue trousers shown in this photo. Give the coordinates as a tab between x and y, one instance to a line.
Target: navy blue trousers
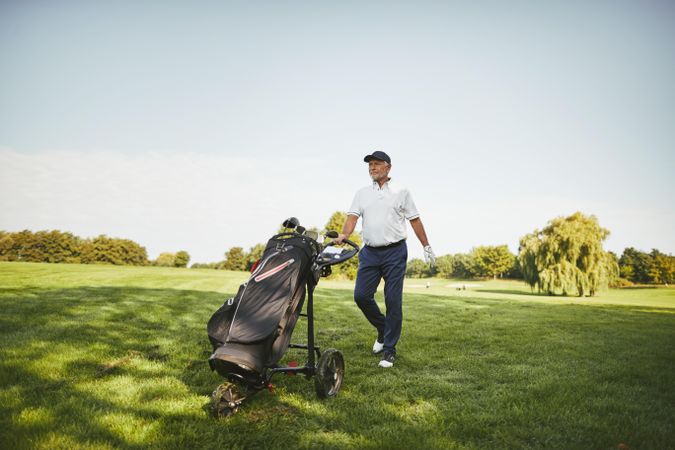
376	264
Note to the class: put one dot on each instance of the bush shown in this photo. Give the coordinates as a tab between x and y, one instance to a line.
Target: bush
182	259
621	283
165	260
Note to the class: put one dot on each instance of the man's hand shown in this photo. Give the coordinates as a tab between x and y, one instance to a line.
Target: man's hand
347	229
340	239
429	256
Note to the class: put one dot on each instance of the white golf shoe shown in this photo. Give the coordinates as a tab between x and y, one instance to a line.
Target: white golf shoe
387	360
378	347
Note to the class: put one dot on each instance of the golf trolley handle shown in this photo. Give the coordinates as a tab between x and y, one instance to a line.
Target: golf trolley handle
340	258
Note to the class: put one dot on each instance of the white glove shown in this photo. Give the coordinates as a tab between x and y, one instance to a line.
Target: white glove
429	256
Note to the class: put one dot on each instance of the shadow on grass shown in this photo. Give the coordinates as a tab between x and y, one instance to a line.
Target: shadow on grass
79	366
512	292
126	367
641	287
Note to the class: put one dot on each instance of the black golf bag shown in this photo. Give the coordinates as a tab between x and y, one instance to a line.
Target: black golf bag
252	330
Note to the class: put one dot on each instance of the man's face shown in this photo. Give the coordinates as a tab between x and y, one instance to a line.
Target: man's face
378	170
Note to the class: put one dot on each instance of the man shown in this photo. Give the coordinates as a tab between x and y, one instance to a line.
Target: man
383	207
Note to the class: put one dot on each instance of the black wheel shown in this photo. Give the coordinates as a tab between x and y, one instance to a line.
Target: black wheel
329	373
225	400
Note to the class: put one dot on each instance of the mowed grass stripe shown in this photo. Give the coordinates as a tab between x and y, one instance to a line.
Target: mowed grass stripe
115	357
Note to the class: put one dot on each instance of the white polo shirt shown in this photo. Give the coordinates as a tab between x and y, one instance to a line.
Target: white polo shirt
383	212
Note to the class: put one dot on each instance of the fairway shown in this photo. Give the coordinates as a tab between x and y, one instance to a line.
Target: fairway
116	357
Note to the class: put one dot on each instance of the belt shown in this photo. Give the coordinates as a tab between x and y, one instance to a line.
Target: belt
394	244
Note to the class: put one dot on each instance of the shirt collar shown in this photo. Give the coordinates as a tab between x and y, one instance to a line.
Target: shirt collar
376	186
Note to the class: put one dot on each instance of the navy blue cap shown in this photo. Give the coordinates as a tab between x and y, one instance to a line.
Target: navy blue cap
382	156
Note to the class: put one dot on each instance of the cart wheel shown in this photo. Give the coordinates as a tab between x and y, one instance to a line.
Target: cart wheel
225	400
329	373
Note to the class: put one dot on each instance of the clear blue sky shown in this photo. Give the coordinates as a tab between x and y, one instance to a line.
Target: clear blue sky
202	125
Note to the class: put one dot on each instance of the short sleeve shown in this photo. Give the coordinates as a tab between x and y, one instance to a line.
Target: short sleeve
409	208
355	209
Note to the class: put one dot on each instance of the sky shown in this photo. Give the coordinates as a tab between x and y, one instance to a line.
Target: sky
201	126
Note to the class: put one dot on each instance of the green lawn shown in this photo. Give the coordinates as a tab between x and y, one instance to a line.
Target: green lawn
115	357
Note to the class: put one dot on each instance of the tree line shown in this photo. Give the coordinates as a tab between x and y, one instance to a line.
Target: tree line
648	268
566	257
64	247
480	262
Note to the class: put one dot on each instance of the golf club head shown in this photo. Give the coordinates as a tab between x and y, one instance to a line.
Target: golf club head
332	234
300	229
291	222
312	235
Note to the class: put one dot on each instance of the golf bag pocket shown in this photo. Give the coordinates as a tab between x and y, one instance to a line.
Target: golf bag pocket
220	322
258	317
268	295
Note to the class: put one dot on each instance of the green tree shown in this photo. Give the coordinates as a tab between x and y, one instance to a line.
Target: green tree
6	246
416	268
634	265
235	259
567	257
166	259
182	259
254	254
43	246
63	247
134	253
58	247
463	266
641	267
105	250
492	261
336	221
444	267
661	267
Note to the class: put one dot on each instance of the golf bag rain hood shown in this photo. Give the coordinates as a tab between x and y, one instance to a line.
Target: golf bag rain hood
252	330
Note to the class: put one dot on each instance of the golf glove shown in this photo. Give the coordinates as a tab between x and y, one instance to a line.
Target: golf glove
429	256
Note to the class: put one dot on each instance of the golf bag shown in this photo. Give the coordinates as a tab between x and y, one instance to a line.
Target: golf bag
252	330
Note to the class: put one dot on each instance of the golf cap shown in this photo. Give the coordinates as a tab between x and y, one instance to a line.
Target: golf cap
382	156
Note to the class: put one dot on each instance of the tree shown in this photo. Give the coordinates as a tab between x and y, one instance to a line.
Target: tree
640	267
444	266
235	259
634	265
105	250
254	254
462	266
662	267
6	247
63	247
336	221
416	268
567	257
182	259
166	259
492	261
60	247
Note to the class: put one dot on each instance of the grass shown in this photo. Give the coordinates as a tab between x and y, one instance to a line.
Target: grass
115	357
